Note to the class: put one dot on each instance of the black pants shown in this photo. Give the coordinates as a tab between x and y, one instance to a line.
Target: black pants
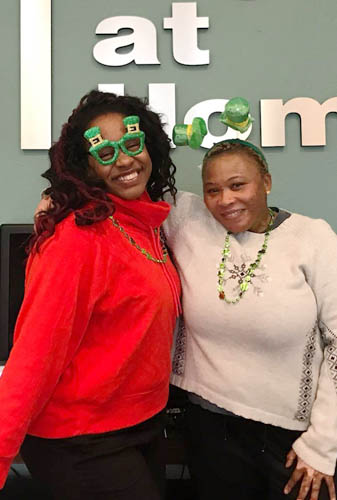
121	465
233	458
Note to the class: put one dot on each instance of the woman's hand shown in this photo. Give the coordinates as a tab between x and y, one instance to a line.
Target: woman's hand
310	479
44	204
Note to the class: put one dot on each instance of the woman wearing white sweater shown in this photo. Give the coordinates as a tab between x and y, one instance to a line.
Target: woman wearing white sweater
258	352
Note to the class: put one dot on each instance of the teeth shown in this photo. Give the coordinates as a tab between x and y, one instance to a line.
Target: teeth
129	177
233	214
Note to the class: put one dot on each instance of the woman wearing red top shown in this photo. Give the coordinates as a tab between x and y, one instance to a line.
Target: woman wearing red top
88	376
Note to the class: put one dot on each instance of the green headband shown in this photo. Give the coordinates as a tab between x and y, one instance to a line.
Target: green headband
236	114
238	141
192	134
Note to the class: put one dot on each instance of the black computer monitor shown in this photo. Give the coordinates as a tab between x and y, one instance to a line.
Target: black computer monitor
13	239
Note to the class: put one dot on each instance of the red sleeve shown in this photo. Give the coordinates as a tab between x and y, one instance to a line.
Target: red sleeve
63	283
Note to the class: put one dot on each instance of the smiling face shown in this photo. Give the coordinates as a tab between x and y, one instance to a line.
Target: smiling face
128	176
235	192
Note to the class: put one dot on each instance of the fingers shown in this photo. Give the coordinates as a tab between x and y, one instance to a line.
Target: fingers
43	205
315	487
331	487
290	458
294	478
310	479
314	482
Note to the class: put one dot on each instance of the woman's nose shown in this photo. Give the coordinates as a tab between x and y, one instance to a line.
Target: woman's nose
123	159
226	197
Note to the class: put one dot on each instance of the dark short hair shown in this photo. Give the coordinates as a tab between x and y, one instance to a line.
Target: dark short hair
237	146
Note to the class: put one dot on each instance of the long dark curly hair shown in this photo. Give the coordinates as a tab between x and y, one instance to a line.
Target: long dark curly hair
72	186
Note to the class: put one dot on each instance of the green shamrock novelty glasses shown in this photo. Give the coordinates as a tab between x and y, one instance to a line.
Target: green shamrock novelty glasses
106	152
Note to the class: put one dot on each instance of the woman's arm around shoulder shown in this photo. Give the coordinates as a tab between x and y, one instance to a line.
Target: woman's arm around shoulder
187	206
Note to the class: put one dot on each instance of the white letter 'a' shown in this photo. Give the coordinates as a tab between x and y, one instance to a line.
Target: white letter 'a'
143	38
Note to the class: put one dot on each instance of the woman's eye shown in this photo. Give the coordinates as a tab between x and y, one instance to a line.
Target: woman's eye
106	157
236	186
132	145
106	154
212	190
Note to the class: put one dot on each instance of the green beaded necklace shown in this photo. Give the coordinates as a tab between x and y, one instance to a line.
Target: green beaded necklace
142	250
250	271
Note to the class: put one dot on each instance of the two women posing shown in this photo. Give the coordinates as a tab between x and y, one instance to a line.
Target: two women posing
87	379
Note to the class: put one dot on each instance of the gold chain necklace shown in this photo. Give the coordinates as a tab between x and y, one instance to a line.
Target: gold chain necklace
142	250
250	271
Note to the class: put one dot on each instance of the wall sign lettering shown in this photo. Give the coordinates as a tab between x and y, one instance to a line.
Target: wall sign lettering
184	24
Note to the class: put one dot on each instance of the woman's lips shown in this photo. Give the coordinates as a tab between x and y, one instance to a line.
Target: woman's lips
232	214
127	178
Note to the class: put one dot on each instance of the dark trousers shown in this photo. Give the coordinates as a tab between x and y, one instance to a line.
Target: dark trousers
121	465
232	458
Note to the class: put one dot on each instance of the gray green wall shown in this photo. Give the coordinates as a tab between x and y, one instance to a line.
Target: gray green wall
258	49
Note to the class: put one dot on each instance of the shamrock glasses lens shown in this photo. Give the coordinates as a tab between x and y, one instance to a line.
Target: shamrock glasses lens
110	153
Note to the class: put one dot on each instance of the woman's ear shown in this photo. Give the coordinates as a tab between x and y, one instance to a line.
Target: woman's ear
267	182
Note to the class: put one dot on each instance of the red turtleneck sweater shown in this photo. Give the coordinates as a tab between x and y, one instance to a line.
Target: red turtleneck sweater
93	337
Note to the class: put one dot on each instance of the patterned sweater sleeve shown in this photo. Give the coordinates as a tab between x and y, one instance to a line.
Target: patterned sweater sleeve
317	446
55	312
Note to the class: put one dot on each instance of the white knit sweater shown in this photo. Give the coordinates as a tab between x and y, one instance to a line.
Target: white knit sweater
272	357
